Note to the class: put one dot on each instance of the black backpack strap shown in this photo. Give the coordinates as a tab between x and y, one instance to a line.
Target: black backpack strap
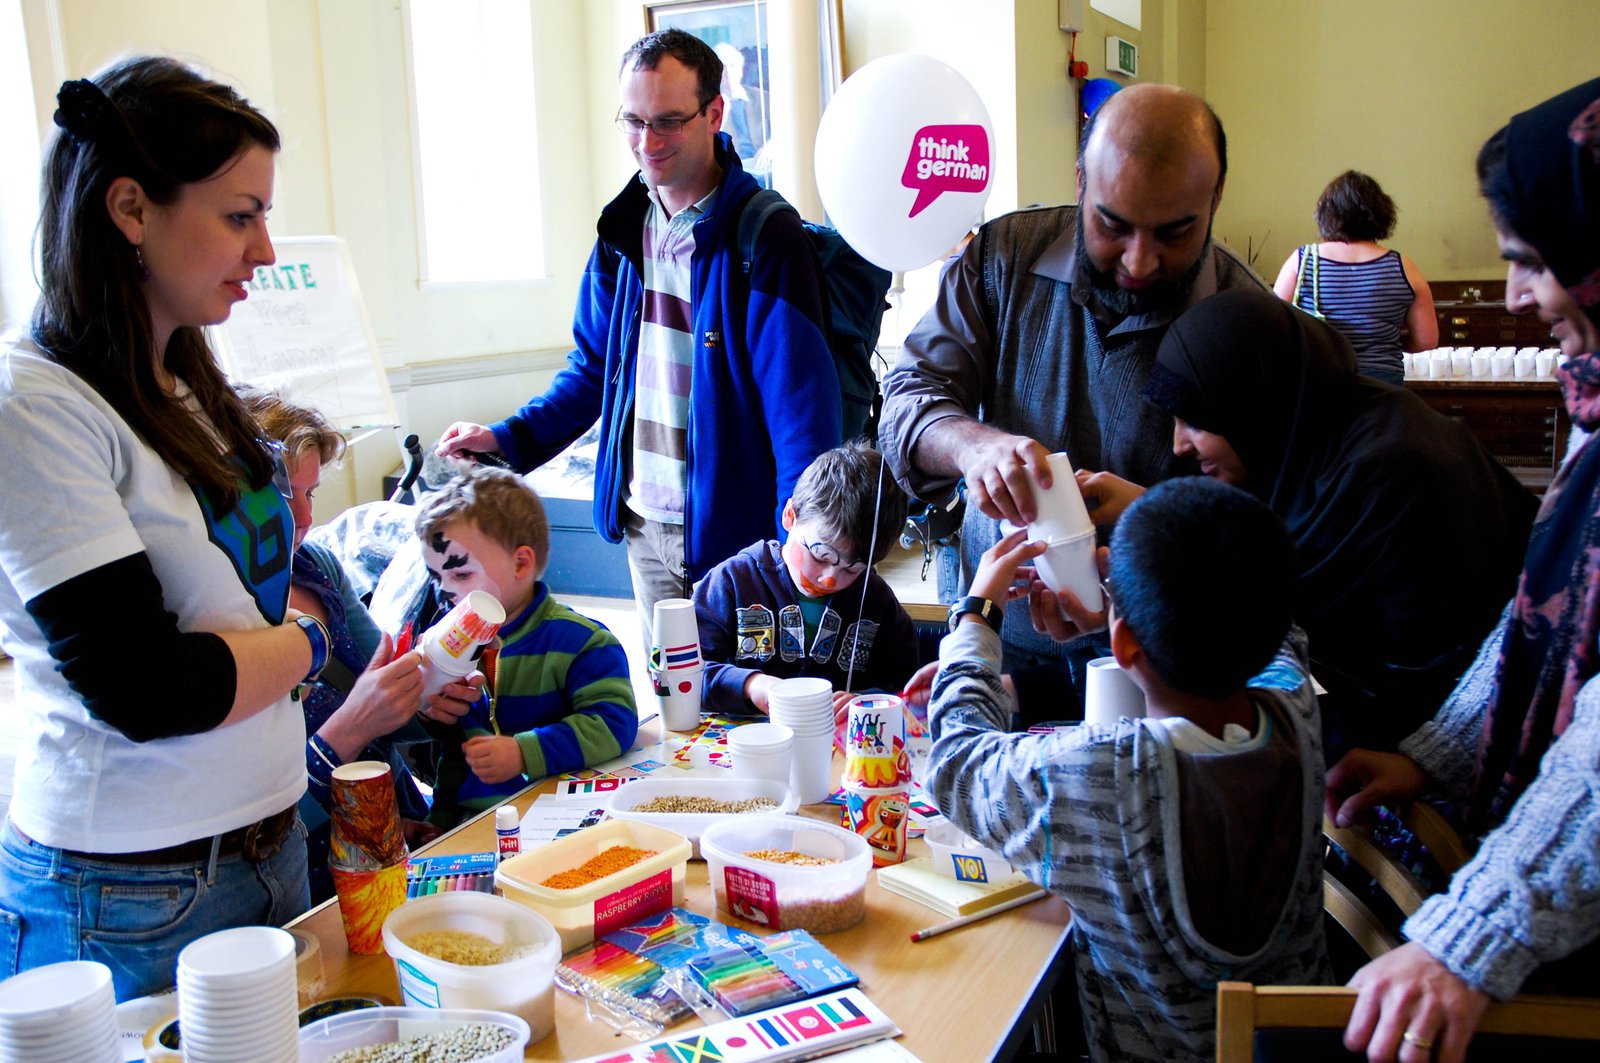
757	209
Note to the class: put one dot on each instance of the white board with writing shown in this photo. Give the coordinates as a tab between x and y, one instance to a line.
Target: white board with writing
304	329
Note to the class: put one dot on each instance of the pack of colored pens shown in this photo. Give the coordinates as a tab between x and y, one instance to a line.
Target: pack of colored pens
427	875
753	974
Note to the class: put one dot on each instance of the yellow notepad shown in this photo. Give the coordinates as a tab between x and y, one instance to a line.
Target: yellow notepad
918	880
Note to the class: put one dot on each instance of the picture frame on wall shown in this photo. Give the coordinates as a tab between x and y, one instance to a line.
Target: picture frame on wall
737	31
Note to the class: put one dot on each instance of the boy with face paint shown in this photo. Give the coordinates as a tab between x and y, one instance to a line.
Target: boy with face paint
773	612
558	696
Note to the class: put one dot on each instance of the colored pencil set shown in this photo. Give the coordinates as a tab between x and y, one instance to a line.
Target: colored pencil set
473	872
743	979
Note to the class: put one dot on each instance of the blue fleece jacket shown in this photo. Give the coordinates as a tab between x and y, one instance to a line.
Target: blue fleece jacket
764	398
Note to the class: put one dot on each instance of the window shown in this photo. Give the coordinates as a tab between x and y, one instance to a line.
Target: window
19	178
475	140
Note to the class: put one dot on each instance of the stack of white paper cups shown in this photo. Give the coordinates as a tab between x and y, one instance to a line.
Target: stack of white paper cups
1063	525
1110	694
452	646
805	706
676	670
237	1001
60	1013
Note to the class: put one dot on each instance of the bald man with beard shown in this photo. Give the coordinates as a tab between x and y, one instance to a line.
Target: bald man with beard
1045	329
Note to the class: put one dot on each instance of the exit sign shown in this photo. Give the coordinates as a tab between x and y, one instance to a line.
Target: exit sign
1122	57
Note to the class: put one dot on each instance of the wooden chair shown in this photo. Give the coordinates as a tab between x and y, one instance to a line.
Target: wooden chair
1242	1009
1431	828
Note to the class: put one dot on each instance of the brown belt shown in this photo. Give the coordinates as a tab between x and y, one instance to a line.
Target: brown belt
257	842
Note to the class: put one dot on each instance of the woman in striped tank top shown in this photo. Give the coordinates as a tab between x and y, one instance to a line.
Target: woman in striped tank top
1374	295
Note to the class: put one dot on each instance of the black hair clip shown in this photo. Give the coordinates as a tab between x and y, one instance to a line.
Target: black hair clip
84	111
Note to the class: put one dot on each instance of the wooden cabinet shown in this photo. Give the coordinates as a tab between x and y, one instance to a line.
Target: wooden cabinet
1473	314
1524	423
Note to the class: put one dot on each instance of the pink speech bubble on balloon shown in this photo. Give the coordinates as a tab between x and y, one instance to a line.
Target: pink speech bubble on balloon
946	158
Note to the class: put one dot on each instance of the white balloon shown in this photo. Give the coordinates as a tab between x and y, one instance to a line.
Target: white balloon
904	160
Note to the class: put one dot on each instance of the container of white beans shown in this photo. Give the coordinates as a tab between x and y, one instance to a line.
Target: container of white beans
403	1035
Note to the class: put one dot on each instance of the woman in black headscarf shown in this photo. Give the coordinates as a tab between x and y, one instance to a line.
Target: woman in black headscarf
1520	736
1408	533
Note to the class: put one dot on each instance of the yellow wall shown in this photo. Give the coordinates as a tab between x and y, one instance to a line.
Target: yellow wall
1405	90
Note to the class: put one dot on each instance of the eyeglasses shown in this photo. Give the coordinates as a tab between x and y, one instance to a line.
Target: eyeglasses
669	126
1105	591
825	554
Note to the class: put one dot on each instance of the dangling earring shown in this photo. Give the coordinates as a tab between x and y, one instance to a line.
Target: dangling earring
144	274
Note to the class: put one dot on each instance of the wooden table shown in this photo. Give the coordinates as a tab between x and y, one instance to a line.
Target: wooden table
965	996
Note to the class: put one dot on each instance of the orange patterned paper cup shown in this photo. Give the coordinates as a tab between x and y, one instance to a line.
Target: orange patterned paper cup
365	900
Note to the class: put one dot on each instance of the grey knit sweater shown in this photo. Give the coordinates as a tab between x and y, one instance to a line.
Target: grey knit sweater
1531	895
1093	814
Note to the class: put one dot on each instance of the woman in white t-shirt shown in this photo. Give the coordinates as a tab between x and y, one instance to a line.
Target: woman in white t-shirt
145	547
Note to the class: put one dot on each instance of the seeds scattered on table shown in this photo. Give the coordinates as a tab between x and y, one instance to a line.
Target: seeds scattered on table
703	805
607	862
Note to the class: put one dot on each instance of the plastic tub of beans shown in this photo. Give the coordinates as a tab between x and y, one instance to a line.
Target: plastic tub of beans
689	806
475	950
599	879
787	872
478	1036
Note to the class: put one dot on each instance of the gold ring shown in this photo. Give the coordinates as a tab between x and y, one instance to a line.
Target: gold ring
1417	1042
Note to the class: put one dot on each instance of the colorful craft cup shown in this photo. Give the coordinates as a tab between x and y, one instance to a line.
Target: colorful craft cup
679	691
879	816
452	646
365	832
365	900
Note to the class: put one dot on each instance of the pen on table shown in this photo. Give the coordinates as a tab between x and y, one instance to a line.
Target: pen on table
1016	902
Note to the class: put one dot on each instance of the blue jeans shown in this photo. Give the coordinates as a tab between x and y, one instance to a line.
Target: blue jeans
135	920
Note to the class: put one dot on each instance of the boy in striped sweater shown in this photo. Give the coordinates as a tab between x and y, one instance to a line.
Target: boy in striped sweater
558	696
1188	842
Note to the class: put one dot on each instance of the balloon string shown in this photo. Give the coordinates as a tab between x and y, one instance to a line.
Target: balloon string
861	609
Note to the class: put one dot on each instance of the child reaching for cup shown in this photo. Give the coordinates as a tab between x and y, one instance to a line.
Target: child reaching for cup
1188	841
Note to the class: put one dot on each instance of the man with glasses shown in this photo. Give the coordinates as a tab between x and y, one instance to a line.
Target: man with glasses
714	389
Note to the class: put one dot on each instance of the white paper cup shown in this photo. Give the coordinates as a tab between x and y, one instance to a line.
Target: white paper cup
1439	365
1504	361
811	766
761	751
1482	364
679	692
1110	694
1070	566
1522	364
1544	363
674	624
1062	513
1460	363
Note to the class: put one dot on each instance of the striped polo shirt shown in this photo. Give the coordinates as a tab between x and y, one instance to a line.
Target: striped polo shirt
1367	301
663	372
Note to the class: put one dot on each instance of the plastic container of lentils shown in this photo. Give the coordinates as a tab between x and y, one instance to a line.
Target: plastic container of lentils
602	902
404	1035
787	872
